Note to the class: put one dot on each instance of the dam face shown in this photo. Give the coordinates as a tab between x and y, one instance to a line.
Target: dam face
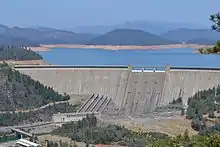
135	92
110	82
185	82
144	92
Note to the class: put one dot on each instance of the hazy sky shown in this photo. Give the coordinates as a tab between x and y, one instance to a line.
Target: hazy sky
70	13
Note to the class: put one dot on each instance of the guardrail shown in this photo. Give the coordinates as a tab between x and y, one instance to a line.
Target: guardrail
194	68
156	68
70	66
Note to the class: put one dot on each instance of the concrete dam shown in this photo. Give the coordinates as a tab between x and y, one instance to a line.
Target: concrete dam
134	91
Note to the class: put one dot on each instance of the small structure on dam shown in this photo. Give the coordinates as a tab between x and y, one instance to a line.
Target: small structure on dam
132	91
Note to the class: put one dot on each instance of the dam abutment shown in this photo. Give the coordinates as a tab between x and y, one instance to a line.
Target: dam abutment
184	82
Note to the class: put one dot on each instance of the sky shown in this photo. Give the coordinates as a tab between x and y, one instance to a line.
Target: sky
72	13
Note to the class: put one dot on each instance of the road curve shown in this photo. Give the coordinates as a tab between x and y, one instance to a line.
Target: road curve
35	109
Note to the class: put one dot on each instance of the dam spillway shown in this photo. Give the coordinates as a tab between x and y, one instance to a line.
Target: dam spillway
134	91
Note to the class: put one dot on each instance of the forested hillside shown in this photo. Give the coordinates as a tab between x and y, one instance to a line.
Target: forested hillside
204	110
18	53
18	91
41	115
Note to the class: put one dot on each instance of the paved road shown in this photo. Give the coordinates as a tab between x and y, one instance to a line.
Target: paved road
35	109
5	129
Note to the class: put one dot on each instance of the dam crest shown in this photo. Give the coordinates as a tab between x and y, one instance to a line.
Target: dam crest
136	90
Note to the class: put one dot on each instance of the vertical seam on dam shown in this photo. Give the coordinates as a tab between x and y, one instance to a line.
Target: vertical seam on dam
126	89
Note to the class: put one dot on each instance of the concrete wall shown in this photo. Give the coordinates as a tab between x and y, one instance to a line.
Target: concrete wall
136	91
186	82
128	89
144	91
110	82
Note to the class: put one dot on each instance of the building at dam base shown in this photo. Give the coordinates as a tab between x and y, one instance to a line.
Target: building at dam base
68	117
134	91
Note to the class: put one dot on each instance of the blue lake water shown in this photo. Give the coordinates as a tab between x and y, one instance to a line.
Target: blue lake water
174	57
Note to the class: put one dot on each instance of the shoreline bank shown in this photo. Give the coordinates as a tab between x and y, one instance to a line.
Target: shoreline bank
26	62
48	47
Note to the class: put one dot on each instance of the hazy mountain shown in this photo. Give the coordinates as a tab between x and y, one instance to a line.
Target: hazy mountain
154	27
17	41
192	35
43	35
129	37
96	29
201	41
8	37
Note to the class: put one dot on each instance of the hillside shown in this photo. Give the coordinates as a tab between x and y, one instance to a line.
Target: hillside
129	33
153	27
129	37
193	35
18	91
201	41
35	36
6	40
41	115
9	38
18	53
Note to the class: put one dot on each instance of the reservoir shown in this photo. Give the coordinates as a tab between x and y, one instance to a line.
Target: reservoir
159	57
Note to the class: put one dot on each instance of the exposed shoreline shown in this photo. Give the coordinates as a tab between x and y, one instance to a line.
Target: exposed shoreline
26	62
111	47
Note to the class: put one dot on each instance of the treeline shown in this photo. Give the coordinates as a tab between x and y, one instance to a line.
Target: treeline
204	104
18	53
41	115
186	141
179	141
89	132
60	144
19	91
211	50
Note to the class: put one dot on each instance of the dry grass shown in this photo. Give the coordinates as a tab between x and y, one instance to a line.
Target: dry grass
171	127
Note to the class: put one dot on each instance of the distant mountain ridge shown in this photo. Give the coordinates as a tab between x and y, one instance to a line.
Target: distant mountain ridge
199	36
153	27
28	36
129	37
123	36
